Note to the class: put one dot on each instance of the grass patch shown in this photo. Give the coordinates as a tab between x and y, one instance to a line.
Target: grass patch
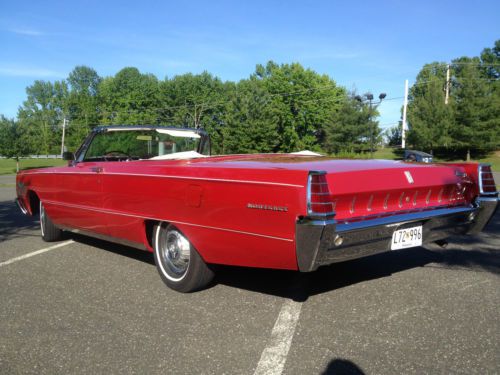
385	153
8	166
494	160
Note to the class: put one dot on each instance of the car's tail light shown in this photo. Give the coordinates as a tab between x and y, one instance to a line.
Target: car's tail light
319	200
486	180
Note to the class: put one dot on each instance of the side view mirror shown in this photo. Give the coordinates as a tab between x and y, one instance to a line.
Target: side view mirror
68	155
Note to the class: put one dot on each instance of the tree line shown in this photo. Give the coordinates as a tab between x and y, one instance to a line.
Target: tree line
465	123
278	108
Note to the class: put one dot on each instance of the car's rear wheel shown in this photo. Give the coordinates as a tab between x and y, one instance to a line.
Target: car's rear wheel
50	232
180	266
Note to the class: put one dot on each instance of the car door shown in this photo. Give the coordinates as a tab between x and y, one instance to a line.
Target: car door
80	197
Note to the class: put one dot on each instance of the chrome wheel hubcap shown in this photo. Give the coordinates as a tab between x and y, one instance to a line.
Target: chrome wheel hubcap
175	252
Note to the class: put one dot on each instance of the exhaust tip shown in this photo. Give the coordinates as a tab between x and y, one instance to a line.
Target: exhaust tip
442	243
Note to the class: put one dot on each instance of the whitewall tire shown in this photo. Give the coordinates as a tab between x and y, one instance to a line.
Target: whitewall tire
50	232
179	264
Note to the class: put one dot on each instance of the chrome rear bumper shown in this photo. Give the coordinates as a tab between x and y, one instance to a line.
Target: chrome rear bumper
315	240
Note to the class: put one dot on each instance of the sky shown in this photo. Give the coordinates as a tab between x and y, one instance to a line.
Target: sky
369	46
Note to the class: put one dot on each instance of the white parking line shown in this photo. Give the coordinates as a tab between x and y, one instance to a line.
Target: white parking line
29	255
273	358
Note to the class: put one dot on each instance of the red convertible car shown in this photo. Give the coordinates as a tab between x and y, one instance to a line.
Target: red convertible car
157	189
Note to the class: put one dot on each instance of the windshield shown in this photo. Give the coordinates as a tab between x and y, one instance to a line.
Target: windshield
143	144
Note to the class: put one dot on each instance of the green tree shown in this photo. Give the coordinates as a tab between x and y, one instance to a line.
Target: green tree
471	120
250	123
490	62
302	101
129	98
490	66
350	128
394	136
83	104
476	117
430	119
13	141
43	113
196	101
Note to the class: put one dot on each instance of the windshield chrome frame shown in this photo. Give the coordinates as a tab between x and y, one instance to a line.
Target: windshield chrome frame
204	142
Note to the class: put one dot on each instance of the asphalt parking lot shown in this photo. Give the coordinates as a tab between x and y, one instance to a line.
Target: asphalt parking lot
93	307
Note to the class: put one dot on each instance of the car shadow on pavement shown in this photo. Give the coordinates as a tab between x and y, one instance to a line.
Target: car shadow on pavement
130	252
475	253
299	286
13	223
461	254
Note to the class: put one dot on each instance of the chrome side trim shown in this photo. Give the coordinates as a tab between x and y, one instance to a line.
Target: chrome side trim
208	179
119	213
21	206
105	237
175	177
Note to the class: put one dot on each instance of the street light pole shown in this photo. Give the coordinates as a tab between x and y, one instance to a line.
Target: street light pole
381	97
369	97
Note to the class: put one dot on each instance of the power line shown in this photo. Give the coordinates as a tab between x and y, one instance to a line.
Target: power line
209	105
442	65
153	112
482	64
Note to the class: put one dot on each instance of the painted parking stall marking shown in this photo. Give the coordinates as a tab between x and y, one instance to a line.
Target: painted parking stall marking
38	252
273	358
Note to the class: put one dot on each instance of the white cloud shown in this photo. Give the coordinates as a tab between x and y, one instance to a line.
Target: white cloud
27	32
30	72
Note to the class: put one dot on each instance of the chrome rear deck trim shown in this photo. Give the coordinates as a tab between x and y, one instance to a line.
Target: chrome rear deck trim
401	219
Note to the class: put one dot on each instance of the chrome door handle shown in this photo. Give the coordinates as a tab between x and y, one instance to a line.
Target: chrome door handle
97	169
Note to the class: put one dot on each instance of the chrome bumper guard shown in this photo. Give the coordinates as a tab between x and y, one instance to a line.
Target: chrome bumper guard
318	242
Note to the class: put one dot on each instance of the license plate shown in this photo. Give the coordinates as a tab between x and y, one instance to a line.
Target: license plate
405	238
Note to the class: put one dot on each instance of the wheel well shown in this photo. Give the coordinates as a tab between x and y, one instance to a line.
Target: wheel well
149	228
34	202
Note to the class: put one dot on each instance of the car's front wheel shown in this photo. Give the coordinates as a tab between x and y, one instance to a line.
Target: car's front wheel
50	232
179	264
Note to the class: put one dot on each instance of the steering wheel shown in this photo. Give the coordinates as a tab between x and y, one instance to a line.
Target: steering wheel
116	154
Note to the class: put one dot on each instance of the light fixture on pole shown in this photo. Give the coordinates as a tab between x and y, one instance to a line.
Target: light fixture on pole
369	97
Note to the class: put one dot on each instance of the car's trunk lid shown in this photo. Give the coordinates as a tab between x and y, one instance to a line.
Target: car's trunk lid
403	187
363	188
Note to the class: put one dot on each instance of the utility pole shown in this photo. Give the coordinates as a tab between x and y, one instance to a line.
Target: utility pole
447	94
63	132
405	106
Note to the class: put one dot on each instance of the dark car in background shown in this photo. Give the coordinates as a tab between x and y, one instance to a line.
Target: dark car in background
419	156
